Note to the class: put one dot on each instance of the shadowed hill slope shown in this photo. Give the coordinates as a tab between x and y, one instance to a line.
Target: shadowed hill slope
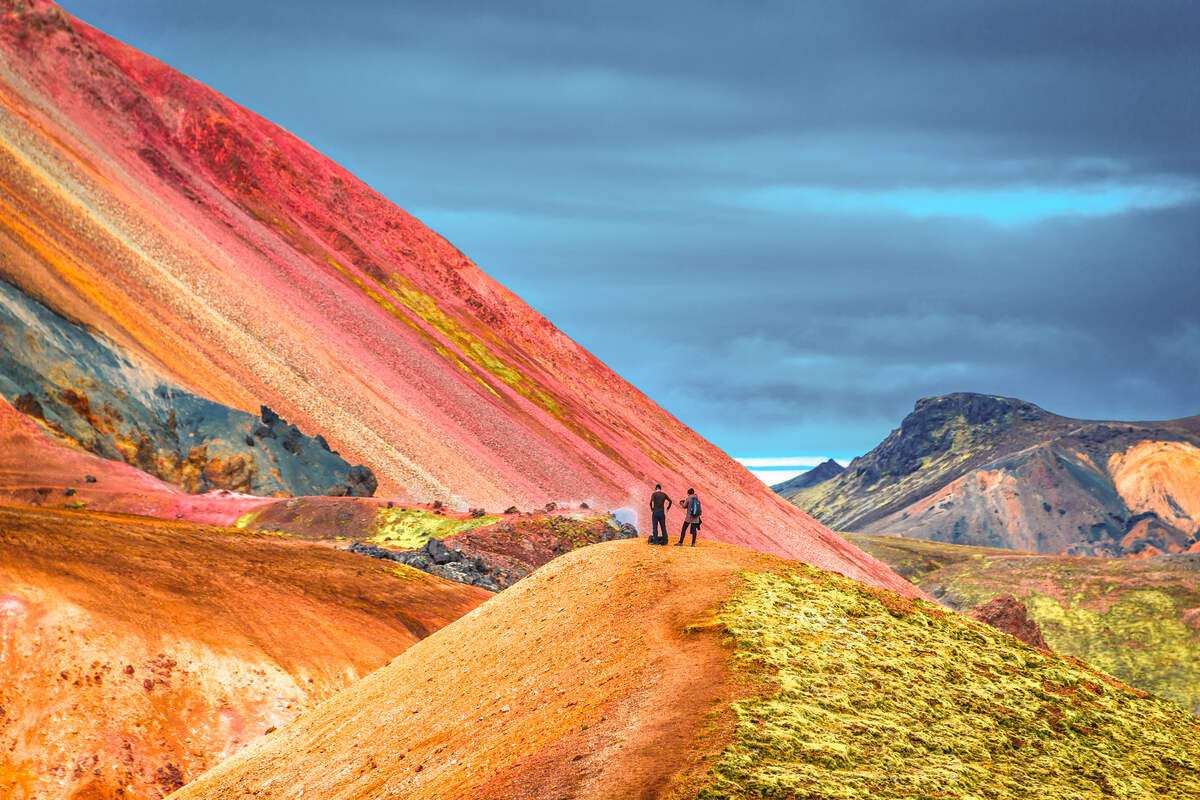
621	670
240	263
86	392
997	472
136	653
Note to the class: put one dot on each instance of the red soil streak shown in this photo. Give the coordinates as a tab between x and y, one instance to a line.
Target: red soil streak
136	653
251	269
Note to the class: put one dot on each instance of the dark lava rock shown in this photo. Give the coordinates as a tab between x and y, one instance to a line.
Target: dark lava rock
324	445
293	440
512	510
550	506
477	512
361	481
264	432
89	478
269	417
1008	614
438	559
438	552
27	404
249	440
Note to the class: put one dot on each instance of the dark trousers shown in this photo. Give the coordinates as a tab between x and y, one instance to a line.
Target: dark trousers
683	531
658	526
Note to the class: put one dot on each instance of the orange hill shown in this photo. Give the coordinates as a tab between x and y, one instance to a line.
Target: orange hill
230	257
608	673
136	653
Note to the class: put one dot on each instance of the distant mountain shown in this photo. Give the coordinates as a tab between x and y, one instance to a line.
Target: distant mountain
822	472
999	472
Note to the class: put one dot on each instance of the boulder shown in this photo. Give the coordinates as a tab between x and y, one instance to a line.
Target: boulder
1008	614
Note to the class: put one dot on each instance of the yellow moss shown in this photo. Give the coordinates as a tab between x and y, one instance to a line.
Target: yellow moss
245	520
869	695
412	528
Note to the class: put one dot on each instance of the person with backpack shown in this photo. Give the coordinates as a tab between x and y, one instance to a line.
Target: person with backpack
690	505
660	503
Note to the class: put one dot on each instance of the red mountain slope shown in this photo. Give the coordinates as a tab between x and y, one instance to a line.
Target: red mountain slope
235	259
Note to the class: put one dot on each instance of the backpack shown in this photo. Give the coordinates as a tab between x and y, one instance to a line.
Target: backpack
694	506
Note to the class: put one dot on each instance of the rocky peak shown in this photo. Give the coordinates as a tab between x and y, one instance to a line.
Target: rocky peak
976	409
932	426
822	472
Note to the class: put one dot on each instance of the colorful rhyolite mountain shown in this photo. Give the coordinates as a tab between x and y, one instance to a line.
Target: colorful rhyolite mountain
621	670
227	257
998	472
1138	620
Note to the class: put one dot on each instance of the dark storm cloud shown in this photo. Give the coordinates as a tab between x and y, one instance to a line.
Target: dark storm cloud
784	221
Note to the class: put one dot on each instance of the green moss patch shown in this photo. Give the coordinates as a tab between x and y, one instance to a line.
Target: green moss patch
411	528
1125	617
870	695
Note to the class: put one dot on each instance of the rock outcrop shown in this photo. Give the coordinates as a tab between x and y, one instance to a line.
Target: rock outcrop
1008	614
87	390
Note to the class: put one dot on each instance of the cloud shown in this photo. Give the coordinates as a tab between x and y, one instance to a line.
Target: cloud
787	221
998	205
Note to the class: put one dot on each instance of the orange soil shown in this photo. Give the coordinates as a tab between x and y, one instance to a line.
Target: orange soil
1163	477
136	653
581	681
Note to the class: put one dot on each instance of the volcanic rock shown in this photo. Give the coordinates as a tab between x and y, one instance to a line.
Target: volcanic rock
1007	613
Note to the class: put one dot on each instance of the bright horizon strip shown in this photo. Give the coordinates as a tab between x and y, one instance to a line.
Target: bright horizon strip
781	462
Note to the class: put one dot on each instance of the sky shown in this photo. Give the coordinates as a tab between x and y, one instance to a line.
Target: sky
785	222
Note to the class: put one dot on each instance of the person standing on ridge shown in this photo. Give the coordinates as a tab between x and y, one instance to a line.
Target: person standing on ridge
690	505
659	504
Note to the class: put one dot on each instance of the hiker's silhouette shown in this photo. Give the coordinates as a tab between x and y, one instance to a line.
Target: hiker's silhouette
691	506
659	504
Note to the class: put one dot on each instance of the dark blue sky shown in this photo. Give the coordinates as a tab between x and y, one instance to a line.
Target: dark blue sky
783	221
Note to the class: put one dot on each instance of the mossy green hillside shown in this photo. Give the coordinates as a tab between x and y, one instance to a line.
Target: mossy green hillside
412	528
870	695
1133	619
